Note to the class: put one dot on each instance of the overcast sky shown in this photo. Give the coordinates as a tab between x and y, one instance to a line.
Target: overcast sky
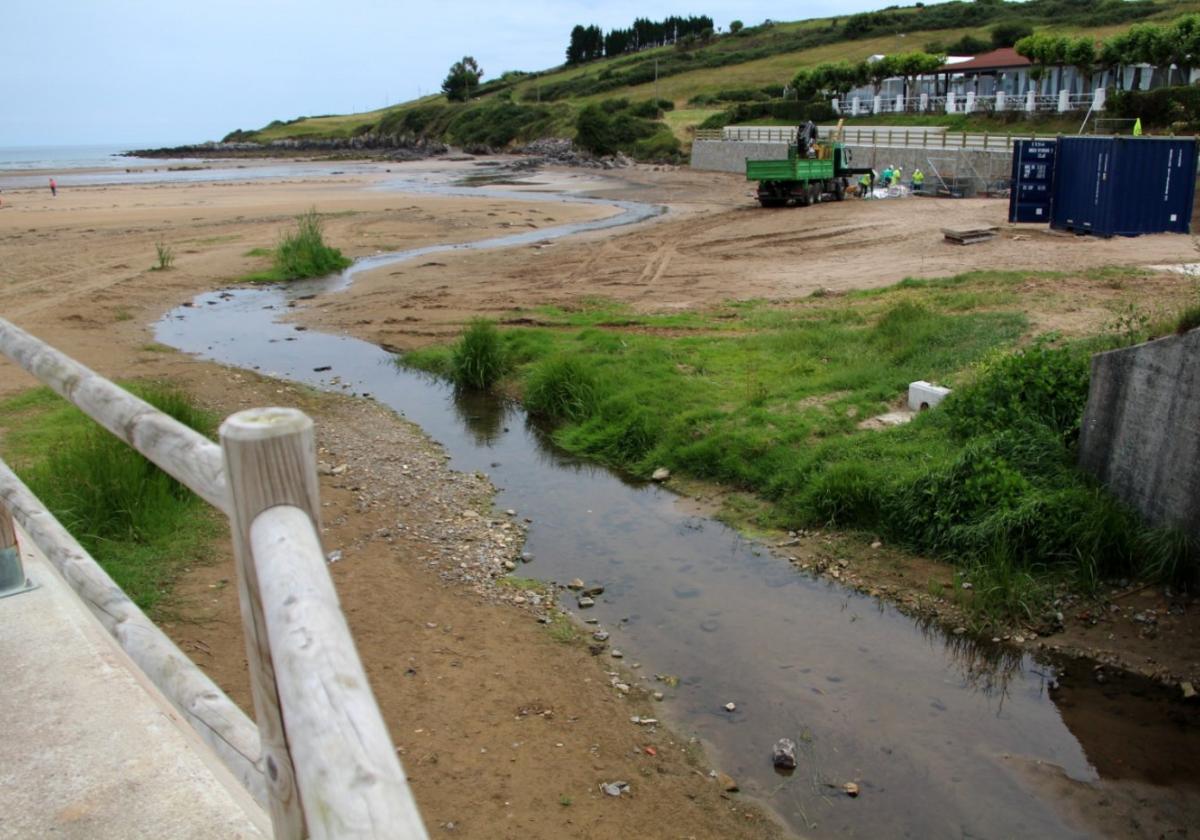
166	71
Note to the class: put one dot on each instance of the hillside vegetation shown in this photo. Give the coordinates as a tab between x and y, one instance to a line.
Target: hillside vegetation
705	76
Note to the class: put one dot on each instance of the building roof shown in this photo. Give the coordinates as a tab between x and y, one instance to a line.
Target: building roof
1003	58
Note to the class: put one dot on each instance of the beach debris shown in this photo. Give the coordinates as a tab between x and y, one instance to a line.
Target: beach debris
660	474
783	755
614	788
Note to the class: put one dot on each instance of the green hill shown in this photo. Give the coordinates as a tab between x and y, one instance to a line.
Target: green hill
700	80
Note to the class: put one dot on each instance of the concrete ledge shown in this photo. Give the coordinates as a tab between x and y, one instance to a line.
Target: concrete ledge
91	749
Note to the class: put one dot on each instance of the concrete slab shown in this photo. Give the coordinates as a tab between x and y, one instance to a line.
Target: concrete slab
88	747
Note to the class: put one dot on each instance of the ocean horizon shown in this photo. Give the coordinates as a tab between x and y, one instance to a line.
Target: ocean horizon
65	157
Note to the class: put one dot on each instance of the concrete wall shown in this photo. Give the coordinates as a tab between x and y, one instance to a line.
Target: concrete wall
730	156
1141	429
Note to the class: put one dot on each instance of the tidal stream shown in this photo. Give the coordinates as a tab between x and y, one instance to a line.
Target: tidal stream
927	724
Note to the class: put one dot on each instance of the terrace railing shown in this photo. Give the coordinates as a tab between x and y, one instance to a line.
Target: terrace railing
319	758
898	137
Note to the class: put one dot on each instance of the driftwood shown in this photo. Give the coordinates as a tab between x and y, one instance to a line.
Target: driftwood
182	452
220	723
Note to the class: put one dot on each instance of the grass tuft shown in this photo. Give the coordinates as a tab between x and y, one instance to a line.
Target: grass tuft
478	360
302	253
165	256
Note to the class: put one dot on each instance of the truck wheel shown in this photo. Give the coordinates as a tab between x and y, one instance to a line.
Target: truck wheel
814	192
804	197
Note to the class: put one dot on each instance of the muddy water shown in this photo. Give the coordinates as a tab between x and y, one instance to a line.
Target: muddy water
923	722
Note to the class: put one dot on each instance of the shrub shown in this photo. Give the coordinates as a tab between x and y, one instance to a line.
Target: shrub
1040	385
1173	107
478	360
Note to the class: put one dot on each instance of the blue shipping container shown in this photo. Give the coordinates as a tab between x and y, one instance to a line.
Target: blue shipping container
1032	180
1124	186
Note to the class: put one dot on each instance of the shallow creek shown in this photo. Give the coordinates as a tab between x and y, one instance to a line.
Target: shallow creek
932	727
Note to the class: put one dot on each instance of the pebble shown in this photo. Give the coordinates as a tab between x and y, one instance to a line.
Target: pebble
1189	691
731	707
614	788
658	695
585	602
727	783
510	565
576	584
616	654
660	474
851	789
600	635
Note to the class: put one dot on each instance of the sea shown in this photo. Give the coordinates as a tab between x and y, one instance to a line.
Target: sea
17	158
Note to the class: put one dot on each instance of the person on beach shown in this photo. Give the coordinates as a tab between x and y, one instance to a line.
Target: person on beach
53	189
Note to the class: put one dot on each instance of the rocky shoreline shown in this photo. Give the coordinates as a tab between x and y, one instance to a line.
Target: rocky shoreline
558	151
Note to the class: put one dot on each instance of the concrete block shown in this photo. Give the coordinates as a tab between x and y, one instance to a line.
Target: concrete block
923	395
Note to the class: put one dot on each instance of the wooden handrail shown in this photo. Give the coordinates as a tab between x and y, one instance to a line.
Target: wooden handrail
318	757
181	452
219	722
350	781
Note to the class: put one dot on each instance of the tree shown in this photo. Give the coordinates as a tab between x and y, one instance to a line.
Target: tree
1183	44
879	70
915	64
736	26
463	77
968	45
1081	54
1007	34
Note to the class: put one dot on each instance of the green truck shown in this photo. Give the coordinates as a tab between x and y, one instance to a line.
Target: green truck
811	171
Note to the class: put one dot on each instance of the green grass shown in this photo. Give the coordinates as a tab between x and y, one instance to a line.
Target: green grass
767	400
478	360
141	525
302	253
164	256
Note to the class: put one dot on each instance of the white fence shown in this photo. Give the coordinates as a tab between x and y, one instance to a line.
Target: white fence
898	137
970	103
319	759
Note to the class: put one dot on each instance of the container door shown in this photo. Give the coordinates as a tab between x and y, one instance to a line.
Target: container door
1083	185
1031	193
1156	182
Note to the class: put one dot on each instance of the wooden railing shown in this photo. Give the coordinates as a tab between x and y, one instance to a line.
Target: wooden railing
319	759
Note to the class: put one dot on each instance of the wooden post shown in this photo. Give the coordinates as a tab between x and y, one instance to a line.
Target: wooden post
270	460
944	133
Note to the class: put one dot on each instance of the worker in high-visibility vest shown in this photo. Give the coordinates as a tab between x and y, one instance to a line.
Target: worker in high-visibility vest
864	186
918	180
887	176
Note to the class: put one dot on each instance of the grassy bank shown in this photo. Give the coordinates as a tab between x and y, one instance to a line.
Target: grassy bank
141	525
772	400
